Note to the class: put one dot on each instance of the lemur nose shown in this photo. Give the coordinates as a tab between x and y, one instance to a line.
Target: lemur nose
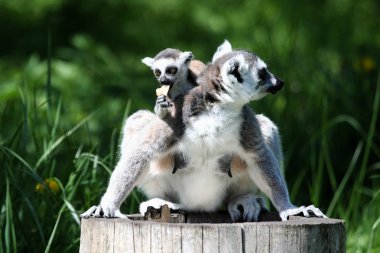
276	87
165	81
279	83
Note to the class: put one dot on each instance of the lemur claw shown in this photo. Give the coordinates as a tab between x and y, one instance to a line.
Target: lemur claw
88	213
99	212
163	106
308	211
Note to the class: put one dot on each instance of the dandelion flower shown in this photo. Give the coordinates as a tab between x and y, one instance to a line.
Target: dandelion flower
51	183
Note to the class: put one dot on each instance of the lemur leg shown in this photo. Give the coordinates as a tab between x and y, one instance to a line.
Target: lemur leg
246	207
264	170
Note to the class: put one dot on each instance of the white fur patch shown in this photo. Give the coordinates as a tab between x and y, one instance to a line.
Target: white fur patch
239	93
157	203
161	64
260	64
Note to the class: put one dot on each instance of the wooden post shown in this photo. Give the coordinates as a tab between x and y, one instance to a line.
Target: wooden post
138	236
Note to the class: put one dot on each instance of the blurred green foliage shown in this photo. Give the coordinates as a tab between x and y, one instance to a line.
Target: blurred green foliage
62	60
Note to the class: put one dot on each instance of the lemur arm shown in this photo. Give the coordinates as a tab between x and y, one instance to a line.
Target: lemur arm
122	182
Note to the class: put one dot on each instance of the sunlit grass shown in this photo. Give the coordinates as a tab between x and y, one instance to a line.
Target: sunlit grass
43	189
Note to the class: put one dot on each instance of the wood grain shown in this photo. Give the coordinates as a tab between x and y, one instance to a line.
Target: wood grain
137	236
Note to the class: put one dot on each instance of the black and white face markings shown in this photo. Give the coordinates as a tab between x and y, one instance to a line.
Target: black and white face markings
168	65
247	70
166	75
265	78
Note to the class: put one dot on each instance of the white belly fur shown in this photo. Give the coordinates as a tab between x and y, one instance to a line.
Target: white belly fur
201	186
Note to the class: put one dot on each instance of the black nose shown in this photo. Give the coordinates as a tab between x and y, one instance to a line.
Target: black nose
276	87
279	83
165	81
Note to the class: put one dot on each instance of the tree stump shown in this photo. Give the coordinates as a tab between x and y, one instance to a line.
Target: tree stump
197	232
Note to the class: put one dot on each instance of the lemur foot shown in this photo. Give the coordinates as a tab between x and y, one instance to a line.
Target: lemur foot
245	208
163	106
158	203
100	212
308	211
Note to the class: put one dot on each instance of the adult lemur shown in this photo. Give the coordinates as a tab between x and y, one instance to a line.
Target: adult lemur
178	71
209	123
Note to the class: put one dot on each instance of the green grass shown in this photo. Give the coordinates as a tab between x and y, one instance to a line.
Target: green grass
44	220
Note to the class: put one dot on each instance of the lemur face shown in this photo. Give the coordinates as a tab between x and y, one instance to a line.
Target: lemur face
169	65
245	76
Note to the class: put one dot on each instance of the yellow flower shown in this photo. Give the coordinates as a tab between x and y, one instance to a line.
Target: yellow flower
367	64
51	183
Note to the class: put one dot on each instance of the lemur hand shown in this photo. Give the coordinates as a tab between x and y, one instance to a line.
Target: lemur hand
163	106
103	212
308	211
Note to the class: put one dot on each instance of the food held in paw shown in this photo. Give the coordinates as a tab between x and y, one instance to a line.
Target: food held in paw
163	90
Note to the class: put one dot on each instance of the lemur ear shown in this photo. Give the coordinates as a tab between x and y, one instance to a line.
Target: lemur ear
148	61
222	49
186	56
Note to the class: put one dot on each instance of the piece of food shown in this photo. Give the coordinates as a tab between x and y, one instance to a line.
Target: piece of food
163	90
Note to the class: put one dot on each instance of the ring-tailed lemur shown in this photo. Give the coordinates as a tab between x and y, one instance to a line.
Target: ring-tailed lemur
178	70
210	122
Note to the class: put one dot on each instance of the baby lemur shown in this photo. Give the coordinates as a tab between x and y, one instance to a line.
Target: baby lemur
209	124
174	69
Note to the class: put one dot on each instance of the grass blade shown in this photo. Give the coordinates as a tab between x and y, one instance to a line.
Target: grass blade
30	170
370	137
339	191
375	225
10	234
56	120
72	210
32	212
49	75
47	249
95	160
53	146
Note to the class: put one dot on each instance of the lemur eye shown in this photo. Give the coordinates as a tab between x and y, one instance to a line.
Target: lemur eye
157	72
263	74
172	70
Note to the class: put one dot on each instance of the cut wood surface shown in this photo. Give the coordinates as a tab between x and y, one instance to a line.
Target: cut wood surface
299	234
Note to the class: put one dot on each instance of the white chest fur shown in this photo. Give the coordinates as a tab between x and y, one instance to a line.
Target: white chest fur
209	136
212	133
